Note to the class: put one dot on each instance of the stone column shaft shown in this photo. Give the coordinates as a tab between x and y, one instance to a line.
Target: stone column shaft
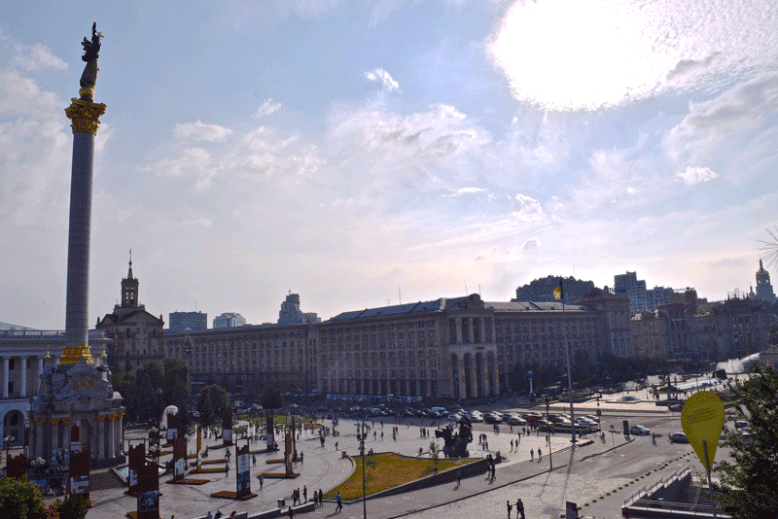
23	382
6	360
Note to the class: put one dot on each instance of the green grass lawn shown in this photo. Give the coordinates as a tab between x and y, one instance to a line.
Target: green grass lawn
390	470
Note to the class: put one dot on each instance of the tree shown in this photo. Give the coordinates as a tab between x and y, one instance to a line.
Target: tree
73	507
20	499
270	398
212	405
435	454
749	486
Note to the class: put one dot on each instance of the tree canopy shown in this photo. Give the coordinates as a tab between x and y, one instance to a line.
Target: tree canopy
212	405
749	486
20	499
270	398
153	388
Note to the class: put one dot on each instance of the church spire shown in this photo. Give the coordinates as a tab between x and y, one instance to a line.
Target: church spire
130	288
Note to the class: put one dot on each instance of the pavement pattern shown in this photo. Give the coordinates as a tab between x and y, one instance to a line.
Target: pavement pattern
543	491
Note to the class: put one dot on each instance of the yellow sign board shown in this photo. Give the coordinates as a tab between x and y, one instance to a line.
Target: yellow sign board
702	418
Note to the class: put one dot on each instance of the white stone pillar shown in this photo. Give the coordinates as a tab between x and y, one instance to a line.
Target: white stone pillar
462	381
111	436
474	376
23	388
6	360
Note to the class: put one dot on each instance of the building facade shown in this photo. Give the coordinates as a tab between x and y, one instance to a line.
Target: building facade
229	320
250	357
450	347
137	336
764	289
25	354
183	322
542	290
290	312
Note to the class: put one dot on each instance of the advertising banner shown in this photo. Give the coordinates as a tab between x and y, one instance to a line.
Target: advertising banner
244	467
227	427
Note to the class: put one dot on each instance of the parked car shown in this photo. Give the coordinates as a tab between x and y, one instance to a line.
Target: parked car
475	418
516	420
678	437
639	430
492	418
555	418
455	417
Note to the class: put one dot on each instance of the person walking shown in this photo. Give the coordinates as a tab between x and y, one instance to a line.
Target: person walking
509	509
540	454
305	493
339	507
291	512
520	509
321	498
459	478
532	454
209	516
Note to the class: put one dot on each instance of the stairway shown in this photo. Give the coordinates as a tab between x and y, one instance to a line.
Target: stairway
105	480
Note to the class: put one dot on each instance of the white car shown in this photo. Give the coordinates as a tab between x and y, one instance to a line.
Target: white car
639	430
476	417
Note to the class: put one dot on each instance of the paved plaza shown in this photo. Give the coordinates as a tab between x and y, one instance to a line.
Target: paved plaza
325	468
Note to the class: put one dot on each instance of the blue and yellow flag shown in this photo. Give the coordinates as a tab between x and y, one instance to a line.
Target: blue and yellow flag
558	294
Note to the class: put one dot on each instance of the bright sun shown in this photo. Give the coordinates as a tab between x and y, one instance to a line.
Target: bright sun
589	54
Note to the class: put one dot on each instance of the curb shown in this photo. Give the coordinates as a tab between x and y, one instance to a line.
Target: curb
524	478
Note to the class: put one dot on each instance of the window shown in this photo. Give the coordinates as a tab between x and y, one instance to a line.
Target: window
11	364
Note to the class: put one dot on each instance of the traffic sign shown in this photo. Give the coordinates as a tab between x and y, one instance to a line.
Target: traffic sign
702	419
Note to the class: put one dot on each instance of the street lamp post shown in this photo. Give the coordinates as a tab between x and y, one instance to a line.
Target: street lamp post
361	437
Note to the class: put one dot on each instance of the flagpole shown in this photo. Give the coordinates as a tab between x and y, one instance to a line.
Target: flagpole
567	355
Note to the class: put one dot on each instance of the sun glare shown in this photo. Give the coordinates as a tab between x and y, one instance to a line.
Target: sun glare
574	54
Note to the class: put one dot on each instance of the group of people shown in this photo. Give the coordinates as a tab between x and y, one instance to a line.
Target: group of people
519	509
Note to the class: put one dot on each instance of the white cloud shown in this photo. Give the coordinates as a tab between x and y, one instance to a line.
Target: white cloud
465	191
202	221
420	138
33	57
267	107
694	175
529	209
381	76
530	245
589	54
193	161
198	131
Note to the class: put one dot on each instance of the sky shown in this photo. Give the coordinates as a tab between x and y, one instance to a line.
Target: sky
367	153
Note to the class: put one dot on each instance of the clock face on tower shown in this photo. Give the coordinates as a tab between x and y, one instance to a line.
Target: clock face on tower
81	384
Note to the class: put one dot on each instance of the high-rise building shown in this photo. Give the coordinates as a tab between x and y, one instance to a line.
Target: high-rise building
182	322
229	320
290	312
764	289
635	289
542	290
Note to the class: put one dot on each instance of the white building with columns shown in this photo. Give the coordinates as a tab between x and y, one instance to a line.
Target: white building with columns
25	353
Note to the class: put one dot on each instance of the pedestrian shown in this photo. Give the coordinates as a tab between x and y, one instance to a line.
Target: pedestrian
509	509
209	516
336	445
305	493
301	456
291	512
520	508
540	454
254	459
338	500
532	454
494	472
321	498
459	478
382	434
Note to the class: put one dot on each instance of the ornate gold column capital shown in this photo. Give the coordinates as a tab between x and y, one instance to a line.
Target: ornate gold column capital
84	116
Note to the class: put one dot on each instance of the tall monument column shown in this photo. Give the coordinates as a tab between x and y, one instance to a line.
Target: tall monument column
84	115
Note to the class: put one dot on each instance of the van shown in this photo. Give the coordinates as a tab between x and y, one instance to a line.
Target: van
439	410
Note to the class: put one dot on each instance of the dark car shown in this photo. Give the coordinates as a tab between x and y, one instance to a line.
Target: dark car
678	437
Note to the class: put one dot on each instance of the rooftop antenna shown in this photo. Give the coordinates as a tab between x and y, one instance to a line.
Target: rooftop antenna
388	301
466	292
400	293
479	289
